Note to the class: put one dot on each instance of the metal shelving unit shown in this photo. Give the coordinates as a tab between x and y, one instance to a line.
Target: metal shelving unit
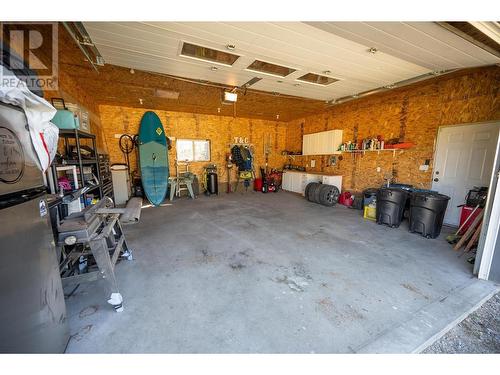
72	138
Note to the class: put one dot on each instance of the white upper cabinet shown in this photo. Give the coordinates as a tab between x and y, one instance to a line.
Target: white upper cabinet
322	143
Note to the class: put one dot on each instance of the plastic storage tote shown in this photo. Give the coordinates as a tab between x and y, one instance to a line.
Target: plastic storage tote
370	213
390	206
65	119
427	213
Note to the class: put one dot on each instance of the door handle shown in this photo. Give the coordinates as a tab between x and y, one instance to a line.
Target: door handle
436	179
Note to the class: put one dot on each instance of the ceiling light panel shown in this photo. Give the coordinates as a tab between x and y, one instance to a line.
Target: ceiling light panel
167	94
208	54
268	68
317	79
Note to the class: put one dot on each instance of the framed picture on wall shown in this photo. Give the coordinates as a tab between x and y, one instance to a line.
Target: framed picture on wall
58	103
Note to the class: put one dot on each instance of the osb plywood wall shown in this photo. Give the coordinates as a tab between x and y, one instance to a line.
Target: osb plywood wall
72	90
414	114
220	130
75	90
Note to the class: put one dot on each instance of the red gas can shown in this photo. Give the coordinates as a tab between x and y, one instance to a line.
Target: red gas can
465	213
257	184
346	199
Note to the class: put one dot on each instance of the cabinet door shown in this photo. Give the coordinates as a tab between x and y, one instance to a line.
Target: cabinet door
306	144
333	180
315	143
297	182
302	183
328	142
321	143
307	150
307	179
285	184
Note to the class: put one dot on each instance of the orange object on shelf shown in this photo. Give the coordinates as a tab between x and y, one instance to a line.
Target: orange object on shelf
403	145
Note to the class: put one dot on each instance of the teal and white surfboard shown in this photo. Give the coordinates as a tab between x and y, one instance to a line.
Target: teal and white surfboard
153	158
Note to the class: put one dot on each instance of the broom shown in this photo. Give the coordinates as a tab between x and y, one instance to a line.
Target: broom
453	238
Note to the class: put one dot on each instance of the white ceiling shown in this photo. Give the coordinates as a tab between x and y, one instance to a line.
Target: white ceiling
405	50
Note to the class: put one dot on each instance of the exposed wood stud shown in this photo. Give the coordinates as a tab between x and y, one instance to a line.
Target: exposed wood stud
403	117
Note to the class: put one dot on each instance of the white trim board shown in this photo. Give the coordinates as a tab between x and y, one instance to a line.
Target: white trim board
489	237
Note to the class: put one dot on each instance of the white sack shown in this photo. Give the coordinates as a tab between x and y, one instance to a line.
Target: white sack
39	112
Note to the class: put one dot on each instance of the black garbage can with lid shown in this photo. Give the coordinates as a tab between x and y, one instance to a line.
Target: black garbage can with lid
427	211
390	206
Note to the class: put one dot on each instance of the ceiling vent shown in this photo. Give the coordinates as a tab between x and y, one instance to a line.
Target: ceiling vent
316	79
167	94
271	69
208	54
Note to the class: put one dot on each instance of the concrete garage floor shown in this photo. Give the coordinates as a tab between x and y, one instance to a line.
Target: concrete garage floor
273	273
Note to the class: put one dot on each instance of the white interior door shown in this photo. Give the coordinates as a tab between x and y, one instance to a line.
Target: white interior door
464	159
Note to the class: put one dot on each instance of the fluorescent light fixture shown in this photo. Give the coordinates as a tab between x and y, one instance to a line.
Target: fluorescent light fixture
271	69
167	94
317	79
230	97
196	52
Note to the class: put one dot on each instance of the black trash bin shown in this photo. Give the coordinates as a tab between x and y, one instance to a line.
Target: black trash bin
390	206
427	211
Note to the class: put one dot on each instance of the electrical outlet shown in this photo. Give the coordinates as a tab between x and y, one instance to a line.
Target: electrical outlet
378	169
313	163
424	168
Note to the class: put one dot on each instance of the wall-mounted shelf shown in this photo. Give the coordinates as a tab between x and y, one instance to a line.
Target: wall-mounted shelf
377	151
231	145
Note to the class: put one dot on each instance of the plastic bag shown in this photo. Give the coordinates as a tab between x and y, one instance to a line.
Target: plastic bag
44	135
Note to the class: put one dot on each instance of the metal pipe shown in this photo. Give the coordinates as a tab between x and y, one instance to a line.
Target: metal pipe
399	84
229	87
470	38
87	41
77	41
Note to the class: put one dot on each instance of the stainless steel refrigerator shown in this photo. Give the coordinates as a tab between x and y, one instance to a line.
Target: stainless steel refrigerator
32	306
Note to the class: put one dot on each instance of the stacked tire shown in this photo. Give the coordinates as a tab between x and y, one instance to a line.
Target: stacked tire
327	195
